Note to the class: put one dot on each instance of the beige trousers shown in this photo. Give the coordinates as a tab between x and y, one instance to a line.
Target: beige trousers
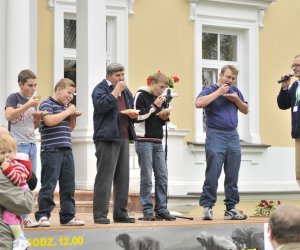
297	158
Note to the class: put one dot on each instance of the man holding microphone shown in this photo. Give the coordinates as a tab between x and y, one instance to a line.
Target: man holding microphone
289	98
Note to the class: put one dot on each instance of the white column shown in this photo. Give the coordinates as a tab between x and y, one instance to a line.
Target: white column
21	40
2	60
91	68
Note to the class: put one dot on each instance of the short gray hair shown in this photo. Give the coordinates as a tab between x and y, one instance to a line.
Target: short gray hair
114	67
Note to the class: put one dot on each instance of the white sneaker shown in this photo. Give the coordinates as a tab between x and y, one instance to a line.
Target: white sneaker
207	214
234	214
74	222
44	222
28	223
20	244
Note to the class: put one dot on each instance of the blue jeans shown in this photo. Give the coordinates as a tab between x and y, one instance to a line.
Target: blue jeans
152	156
222	148
57	165
30	149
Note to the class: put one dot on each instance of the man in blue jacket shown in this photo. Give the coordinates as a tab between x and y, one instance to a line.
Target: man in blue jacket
113	128
288	98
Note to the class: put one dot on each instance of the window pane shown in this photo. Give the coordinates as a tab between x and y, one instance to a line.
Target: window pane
209	46
228	48
69	33
70	72
209	76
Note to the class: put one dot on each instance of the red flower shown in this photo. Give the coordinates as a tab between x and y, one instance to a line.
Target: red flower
149	80
176	79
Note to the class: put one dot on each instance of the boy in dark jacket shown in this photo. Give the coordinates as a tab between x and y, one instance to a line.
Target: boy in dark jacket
151	156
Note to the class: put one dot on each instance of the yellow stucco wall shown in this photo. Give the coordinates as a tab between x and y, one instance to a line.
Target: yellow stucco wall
161	37
45	50
279	43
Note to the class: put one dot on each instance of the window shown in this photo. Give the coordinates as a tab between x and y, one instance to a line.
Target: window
217	49
70	48
227	32
65	35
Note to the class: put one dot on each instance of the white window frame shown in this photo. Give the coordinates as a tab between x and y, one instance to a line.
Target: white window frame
242	17
217	64
117	12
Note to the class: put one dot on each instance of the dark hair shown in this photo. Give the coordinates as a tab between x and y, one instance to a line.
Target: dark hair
113	68
24	75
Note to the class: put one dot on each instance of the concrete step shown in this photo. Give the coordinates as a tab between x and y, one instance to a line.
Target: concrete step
84	202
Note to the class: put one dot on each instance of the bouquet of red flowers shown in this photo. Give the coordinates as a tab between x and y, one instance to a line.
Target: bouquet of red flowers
265	208
172	80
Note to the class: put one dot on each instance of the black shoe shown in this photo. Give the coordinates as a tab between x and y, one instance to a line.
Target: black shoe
148	217
124	220
165	216
102	220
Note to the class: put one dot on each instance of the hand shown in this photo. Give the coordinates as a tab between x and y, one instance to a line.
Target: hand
71	109
159	100
34	101
286	84
39	114
131	113
6	163
121	85
78	113
164	114
233	97
223	89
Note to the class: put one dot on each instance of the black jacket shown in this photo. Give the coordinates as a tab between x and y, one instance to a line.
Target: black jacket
107	114
149	124
286	99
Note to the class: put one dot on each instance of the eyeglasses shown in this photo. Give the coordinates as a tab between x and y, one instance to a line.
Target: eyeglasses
295	65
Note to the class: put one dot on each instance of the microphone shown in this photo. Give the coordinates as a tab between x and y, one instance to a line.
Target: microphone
286	77
168	95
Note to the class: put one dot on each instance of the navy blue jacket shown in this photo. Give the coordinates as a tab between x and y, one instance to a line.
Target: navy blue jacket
107	114
286	99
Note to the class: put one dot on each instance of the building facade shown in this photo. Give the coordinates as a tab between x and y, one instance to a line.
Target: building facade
188	38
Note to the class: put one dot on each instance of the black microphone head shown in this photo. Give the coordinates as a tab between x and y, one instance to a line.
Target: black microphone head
168	95
285	78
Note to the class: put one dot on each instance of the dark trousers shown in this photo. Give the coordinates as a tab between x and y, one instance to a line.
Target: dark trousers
57	165
112	167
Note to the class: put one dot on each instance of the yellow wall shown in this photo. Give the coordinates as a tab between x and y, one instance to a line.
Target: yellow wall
161	38
45	50
279	43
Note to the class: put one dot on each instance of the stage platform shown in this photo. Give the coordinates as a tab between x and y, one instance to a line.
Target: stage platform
181	234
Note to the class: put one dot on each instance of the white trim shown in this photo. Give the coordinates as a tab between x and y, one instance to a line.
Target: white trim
243	17
259	4
116	9
61	9
51	4
130	7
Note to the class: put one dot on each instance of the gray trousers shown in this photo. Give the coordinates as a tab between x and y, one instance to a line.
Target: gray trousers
112	167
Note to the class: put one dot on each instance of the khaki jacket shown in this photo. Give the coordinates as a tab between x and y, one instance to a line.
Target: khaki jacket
17	201
289	246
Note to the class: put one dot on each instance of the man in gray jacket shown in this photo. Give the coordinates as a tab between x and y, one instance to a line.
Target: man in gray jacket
16	200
